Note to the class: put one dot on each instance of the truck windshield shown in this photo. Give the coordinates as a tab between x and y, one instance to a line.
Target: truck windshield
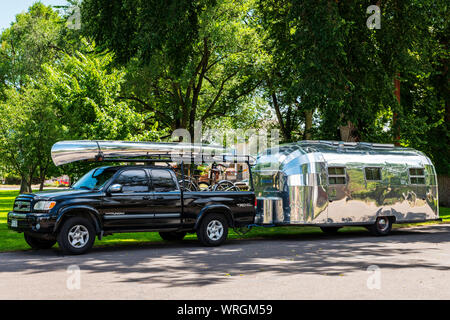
95	179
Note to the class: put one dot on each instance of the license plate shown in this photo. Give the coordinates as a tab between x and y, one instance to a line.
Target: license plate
14	223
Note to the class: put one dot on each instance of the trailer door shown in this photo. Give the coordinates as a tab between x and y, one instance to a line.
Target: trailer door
337	191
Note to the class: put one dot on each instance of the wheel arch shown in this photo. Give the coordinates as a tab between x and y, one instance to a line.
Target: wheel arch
79	211
219	209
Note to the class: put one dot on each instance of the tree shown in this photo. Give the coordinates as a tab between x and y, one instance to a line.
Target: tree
85	91
326	59
186	60
27	122
32	40
28	129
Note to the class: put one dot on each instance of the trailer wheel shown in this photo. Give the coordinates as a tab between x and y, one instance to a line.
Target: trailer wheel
330	230
213	230
381	227
76	236
38	243
172	235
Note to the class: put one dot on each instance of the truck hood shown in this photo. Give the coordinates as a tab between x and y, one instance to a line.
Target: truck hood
55	195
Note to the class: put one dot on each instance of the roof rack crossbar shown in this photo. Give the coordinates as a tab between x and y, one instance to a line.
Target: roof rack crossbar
181	158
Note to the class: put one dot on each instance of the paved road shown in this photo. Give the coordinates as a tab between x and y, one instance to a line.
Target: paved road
413	264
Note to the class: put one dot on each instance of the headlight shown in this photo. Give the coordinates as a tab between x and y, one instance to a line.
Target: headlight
44	205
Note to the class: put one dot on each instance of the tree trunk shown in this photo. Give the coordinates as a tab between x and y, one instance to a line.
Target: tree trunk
41	185
25	187
42	174
308	124
395	115
349	133
285	131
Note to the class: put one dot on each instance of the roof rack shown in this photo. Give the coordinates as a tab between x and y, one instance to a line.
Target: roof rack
198	158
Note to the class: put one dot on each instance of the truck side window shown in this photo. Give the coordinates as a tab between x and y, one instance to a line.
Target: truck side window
336	175
416	176
133	181
162	181
372	173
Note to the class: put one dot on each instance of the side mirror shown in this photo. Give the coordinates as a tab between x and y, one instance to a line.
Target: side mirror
115	188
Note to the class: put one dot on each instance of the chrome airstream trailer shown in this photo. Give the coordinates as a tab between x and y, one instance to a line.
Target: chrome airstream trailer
331	184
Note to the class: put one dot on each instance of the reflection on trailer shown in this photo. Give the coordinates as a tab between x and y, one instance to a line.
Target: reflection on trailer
333	184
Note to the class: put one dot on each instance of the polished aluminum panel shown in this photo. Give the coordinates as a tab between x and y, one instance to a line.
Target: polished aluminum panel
298	174
272	210
76	150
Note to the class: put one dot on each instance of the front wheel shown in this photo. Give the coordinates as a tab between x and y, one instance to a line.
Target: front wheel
172	235
38	243
76	236
381	227
213	230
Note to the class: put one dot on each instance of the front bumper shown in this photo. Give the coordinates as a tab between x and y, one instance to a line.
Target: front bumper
31	222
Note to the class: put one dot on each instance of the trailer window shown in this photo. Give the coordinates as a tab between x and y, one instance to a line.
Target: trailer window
373	174
416	176
336	175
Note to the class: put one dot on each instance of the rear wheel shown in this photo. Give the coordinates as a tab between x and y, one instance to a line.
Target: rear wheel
330	230
213	230
38	243
76	236
172	235
381	227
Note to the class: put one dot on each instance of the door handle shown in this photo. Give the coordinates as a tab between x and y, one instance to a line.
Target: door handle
146	198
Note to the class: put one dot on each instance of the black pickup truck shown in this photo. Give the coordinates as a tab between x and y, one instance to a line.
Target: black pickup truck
113	199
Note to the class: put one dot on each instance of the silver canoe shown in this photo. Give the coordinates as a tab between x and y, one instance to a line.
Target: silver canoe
64	152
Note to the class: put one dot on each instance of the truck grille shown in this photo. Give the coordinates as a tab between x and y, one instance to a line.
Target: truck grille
22	206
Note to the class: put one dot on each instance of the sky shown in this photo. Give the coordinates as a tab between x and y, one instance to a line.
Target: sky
9	9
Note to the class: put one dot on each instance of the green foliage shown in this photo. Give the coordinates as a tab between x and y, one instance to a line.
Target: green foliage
30	41
53	90
85	94
28	129
187	61
324	58
311	68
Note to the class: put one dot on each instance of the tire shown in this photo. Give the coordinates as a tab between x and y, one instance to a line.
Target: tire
172	235
381	227
76	235
225	185
206	234
38	243
330	230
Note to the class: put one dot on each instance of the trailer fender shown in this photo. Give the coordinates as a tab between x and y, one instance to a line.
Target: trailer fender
80	209
215	208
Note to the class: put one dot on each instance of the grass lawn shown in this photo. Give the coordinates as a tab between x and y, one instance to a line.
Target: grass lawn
10	240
